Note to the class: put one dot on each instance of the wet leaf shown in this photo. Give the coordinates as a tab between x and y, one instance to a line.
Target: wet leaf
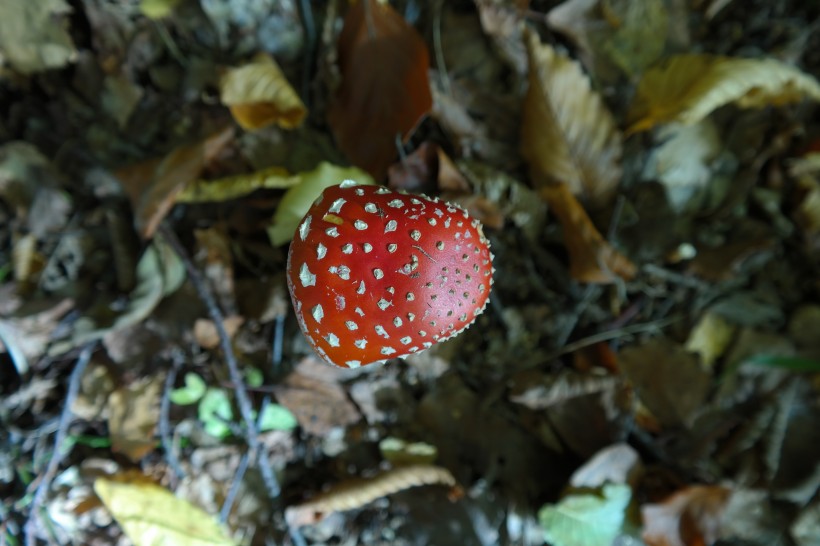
586	519
258	95
690	517
152	516
591	258
133	413
567	134
299	198
687	88
33	35
385	90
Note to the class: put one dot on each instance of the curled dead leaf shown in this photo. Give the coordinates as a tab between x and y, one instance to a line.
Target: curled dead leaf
258	95
687	88
567	133
591	258
357	493
385	89
690	517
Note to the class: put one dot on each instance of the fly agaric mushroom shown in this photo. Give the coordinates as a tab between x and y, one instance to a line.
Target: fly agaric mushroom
375	274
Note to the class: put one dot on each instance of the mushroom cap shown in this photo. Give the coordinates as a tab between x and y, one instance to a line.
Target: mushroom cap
375	274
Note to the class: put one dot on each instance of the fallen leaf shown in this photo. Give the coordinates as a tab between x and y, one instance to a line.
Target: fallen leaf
690	517
591	258
586	519
658	369
133	413
34	36
385	90
26	338
258	95
710	338
153	185
206	334
152	516
687	88
567	133
298	199
234	187
354	494
639	33
398	452
314	396
158	9
503	21
618	463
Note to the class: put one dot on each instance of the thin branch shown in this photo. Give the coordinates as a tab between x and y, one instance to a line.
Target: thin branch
59	440
243	401
165	426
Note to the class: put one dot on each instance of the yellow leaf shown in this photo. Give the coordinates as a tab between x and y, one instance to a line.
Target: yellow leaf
298	199
152	516
158	9
687	88
258	95
710	338
567	133
233	187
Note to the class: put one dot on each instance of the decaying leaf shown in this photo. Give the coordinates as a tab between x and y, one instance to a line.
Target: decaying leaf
34	37
259	95
133	413
618	463
298	199
658	369
153	186
639	32
358	493
687	88
591	258
233	187
314	396
567	133
586	519
710	338
26	338
150	515
385	89
690	517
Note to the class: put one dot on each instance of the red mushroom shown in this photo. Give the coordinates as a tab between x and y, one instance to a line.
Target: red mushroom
375	274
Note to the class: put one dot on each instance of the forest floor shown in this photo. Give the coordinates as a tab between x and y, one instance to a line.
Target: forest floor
647	370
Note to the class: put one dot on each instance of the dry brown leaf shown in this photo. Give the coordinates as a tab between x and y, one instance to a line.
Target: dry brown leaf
312	394
687	88
133	412
259	95
354	494
690	517
206	334
591	258
567	133
385	89
153	186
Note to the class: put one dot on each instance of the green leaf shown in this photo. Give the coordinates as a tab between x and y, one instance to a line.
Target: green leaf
276	417
297	200
791	363
215	411
193	390
254	377
586	519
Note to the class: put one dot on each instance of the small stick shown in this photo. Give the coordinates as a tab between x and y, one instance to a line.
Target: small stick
165	426
242	399
59	439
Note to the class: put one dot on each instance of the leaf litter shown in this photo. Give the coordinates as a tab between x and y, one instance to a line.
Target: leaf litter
646	371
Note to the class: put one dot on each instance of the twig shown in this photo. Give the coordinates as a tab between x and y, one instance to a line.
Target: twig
59	439
278	341
165	426
309	26
242	399
233	491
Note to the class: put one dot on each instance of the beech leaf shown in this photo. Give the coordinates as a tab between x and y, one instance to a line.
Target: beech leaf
152	516
687	88
591	258
258	95
385	90
567	133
